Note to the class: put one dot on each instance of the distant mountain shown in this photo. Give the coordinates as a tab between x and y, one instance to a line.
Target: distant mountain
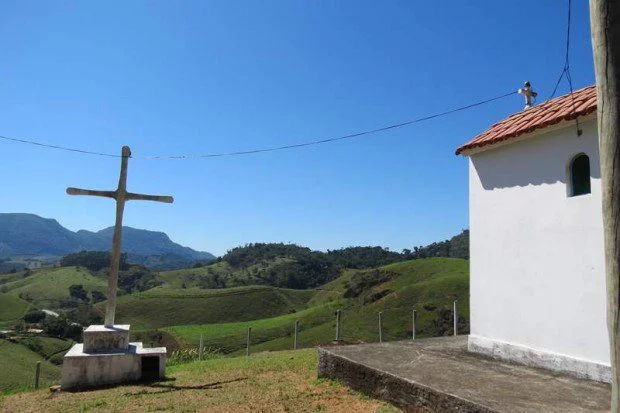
31	235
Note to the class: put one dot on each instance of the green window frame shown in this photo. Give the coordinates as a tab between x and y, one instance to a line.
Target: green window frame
579	174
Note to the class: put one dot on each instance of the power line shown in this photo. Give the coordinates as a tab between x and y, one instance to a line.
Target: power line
566	68
62	148
327	140
272	149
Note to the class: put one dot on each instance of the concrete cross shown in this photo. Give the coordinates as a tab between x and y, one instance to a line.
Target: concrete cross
120	195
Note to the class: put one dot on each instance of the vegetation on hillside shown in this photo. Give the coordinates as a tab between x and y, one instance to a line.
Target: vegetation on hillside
455	247
294	266
18	368
161	307
50	287
12	309
93	260
429	285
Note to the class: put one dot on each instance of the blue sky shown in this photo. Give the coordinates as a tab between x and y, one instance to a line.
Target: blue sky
204	76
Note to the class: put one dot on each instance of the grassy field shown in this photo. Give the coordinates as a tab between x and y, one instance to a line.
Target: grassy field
12	309
429	285
17	364
230	337
281	381
50	348
48	287
162	307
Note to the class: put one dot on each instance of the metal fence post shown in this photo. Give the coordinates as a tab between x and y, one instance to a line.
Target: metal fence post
338	328
201	348
37	375
413	325
380	327
296	331
456	318
247	352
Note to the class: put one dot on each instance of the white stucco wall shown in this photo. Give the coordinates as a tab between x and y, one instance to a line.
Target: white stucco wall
537	259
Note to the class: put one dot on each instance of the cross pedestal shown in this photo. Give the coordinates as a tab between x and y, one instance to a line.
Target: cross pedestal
107	356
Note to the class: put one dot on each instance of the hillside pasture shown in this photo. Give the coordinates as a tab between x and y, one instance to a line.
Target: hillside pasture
50	348
12	309
18	364
161	307
49	287
430	285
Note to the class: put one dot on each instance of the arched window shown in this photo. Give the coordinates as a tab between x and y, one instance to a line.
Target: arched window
579	174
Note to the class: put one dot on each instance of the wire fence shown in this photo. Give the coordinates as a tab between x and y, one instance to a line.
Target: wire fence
335	326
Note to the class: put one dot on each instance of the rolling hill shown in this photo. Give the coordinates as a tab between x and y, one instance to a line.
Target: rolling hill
430	285
18	367
176	317
12	309
49	287
30	235
161	307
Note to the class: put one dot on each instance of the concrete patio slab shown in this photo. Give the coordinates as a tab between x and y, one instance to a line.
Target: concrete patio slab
440	375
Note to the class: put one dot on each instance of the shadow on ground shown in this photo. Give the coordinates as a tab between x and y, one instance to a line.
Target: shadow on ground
160	388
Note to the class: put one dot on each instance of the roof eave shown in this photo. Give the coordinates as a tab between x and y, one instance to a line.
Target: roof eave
510	140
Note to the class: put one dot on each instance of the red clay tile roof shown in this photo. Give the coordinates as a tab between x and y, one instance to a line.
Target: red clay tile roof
537	117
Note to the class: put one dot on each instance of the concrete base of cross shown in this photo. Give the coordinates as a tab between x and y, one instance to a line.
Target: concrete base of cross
107	357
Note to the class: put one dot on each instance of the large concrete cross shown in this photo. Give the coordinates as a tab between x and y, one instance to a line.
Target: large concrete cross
120	195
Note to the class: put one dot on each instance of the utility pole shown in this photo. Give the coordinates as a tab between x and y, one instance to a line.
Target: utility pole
605	27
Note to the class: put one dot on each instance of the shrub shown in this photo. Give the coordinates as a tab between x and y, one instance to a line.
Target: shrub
34	316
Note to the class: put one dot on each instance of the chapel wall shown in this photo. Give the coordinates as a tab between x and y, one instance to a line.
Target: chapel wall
537	258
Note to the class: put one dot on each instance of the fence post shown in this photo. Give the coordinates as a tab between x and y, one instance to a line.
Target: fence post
37	375
247	352
201	348
338	329
413	325
296	331
455	319
380	327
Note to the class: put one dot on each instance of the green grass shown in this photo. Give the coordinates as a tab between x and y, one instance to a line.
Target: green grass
431	285
162	307
49	287
230	337
283	381
12	309
47	347
18	363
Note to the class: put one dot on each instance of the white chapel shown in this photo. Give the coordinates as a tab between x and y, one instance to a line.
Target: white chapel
536	239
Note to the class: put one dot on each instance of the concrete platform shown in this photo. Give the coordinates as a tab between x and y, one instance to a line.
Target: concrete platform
101	338
440	375
82	370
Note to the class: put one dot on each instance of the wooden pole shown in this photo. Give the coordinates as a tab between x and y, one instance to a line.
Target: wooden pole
456	319
201	348
247	350
338	329
37	375
605	28
380	327
413	325
296	331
